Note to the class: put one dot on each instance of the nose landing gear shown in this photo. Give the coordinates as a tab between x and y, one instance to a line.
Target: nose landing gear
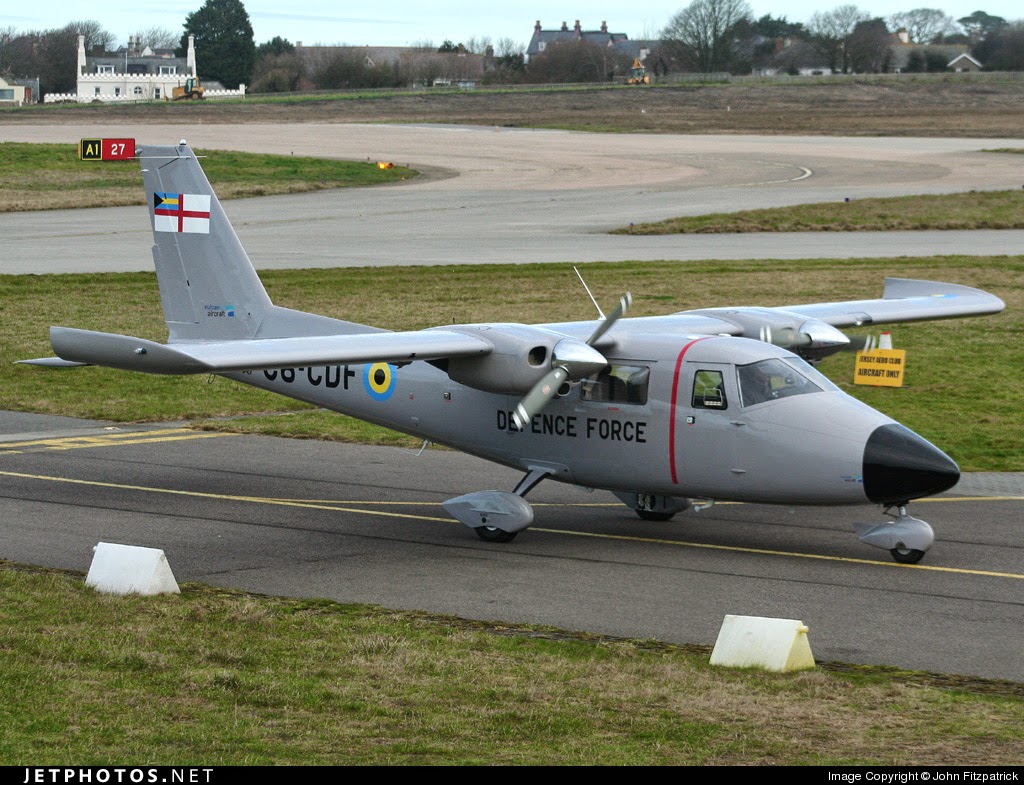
905	537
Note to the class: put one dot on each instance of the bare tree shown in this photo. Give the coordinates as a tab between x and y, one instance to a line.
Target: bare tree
700	33
506	47
157	38
477	45
93	33
923	25
832	31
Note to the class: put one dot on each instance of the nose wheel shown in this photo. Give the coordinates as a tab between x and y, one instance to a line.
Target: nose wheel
905	537
906	555
494	534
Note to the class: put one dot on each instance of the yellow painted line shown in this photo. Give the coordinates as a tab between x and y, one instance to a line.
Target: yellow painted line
220	496
794	554
336	507
970	499
108	440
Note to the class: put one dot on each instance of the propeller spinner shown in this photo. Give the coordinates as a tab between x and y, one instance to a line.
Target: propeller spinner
570	359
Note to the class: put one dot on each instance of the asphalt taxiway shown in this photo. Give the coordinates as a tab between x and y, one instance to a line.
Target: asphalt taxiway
364	524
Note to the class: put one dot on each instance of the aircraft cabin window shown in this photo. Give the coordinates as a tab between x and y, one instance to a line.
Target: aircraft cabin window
709	390
617	384
771	379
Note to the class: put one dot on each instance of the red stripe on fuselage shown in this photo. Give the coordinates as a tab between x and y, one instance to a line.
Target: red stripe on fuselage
672	410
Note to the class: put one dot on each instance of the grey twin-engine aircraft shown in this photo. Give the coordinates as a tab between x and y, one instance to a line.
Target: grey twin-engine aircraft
666	412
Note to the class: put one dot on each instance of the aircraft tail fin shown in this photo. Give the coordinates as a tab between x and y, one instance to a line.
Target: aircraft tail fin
208	286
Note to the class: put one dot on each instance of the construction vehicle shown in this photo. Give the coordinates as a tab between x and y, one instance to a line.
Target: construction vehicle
638	74
192	90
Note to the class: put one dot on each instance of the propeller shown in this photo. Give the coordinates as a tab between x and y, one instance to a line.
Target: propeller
571	358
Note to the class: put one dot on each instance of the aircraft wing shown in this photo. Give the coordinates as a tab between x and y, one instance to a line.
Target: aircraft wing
85	347
905	300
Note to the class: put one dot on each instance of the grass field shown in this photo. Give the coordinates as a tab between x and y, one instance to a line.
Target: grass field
214	677
50	177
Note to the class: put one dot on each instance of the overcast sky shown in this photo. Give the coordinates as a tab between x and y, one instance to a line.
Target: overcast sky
401	22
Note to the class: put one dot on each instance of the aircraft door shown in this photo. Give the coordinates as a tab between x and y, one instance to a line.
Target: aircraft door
706	433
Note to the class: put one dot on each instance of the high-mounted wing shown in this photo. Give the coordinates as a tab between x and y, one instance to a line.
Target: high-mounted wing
905	300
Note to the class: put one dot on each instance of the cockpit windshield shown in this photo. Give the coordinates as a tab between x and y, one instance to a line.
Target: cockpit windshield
768	380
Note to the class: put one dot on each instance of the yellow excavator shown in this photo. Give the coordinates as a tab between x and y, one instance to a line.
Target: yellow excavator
192	90
638	74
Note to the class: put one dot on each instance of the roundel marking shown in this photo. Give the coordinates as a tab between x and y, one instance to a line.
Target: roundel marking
379	381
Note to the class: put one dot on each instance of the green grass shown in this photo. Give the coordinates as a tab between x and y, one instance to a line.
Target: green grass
216	677
972	210
962	388
51	177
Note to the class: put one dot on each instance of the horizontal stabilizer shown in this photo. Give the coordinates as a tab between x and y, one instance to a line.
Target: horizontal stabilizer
139	354
51	362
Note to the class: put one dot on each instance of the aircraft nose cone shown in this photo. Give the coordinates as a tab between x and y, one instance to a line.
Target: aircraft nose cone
899	466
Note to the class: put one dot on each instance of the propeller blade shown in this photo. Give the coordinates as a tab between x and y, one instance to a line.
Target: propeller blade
542	392
861	343
570	358
624	302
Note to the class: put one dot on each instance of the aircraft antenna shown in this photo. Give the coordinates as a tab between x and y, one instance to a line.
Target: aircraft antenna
594	301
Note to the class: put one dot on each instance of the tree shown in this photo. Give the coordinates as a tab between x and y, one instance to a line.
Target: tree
94	34
447	46
980	25
157	38
351	69
923	25
224	41
275	46
55	60
278	73
1003	49
869	47
509	64
478	46
832	30
701	33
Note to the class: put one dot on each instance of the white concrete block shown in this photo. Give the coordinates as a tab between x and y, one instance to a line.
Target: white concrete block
757	642
130	569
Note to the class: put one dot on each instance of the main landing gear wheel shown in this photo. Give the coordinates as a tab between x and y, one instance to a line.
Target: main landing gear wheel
650	515
906	555
493	534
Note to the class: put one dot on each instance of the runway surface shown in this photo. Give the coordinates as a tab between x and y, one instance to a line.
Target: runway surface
364	524
518	196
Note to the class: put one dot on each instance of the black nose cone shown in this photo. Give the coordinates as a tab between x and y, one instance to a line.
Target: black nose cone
899	466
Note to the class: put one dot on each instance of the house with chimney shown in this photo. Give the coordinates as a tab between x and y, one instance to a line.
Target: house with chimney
135	73
619	42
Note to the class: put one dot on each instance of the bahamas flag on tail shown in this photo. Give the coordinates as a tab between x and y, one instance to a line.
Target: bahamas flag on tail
188	213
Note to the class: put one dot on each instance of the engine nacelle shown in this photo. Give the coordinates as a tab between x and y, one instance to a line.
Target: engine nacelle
812	339
521	357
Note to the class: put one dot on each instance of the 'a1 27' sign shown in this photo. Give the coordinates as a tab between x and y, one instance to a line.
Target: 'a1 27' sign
106	149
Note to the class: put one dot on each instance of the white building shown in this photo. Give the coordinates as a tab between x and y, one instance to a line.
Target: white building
137	74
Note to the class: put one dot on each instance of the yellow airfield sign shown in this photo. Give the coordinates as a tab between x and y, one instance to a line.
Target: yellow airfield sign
880	367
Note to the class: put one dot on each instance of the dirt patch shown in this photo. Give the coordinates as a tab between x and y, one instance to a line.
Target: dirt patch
947	109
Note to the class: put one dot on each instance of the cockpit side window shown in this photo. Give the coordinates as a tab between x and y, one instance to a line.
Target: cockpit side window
771	379
709	390
617	384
